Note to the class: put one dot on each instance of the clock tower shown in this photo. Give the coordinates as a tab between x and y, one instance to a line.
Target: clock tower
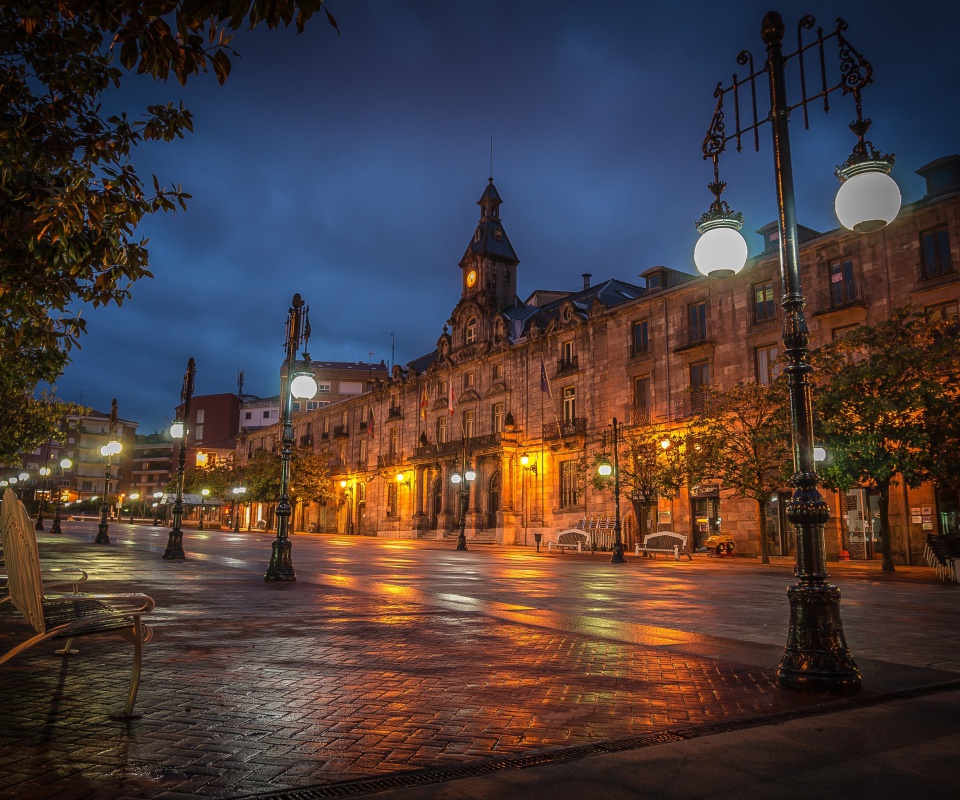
489	266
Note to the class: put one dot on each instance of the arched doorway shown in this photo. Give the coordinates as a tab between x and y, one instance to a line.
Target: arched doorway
436	503
493	500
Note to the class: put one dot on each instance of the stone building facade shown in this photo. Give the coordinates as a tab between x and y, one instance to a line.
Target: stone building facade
524	392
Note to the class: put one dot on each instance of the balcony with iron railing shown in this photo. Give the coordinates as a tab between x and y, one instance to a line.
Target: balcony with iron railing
944	269
692	336
568	364
690	404
577	426
306	440
385	460
394	413
475	444
340	431
839	295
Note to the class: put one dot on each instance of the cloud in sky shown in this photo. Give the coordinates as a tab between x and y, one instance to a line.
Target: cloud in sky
347	169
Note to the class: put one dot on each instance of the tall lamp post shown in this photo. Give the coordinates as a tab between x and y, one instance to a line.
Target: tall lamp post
110	449
605	469
134	496
44	472
203	500
65	464
157	496
300	385
816	654
178	430
462	481
238	492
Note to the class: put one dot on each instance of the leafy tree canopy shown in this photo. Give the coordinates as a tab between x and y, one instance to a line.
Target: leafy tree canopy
70	197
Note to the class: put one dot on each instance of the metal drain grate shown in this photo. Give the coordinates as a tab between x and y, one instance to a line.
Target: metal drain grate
422	777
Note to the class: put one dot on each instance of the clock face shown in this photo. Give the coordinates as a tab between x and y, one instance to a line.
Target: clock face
471	277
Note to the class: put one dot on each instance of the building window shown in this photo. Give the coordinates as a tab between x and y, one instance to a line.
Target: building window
699	381
266	415
935	253
200	414
764	308
838	332
326	425
498	372
947	311
394	441
468	381
569	484
471	331
441	388
842	289
363	450
497	415
248	415
697	319
767	366
567	352
441	430
641	394
392	499
198	434
640	338
569	403
468	424
323	387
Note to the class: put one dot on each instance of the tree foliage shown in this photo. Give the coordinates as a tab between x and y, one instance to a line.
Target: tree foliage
743	437
648	469
886	399
309	477
70	196
29	421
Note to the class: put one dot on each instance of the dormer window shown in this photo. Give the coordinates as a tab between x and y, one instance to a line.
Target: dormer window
476	235
470	333
497	234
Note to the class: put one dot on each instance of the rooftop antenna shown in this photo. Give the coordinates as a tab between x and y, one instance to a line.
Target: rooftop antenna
240	382
392	351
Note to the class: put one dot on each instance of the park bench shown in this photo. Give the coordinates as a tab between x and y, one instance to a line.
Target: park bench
666	542
66	616
570	539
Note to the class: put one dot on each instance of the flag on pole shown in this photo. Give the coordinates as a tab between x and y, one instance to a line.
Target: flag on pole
450	396
544	381
423	403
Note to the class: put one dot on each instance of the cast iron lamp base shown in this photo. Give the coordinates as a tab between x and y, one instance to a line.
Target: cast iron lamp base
174	549
281	568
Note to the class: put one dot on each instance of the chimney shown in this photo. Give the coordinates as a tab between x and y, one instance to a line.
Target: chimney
586	280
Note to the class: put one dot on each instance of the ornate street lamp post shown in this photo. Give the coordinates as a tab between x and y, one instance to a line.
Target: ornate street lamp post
44	472
157	496
203	499
816	654
110	449
605	469
462	481
65	464
300	385
238	492
178	430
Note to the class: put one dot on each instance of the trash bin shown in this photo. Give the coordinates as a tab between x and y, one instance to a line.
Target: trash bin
538	537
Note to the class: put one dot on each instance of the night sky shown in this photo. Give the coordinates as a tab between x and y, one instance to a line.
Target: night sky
348	169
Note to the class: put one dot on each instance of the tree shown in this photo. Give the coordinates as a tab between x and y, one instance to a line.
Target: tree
743	437
883	394
648	469
309	481
70	197
29	421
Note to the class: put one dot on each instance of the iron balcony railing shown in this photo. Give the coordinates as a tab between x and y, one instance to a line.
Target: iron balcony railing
577	426
692	336
842	294
568	364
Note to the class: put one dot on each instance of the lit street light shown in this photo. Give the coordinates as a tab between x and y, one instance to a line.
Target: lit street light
157	497
302	386
110	449
462	481
606	469
203	497
65	464
134	496
816	655
44	472
238	492
178	430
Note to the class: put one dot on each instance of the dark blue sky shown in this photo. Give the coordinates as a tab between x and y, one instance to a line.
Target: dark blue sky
348	169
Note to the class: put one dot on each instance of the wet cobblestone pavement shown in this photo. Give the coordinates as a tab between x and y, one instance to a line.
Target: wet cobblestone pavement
250	687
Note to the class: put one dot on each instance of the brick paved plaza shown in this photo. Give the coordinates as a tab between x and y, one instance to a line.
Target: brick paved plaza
387	657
